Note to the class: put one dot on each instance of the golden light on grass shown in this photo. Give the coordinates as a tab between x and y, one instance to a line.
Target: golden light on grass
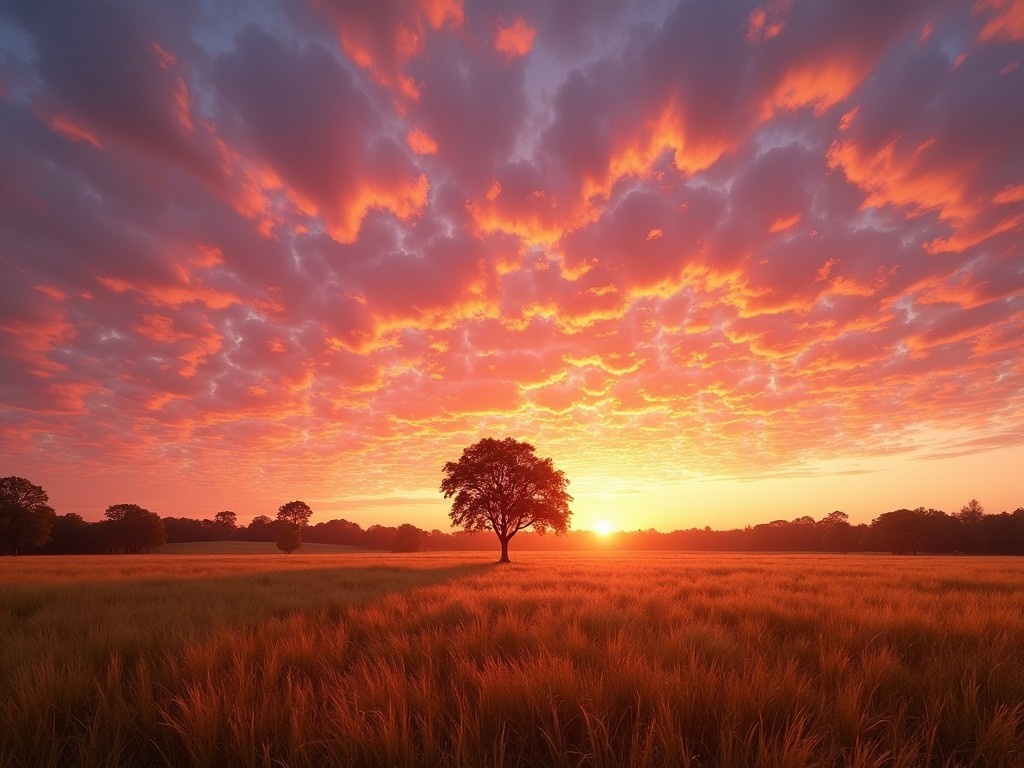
447	660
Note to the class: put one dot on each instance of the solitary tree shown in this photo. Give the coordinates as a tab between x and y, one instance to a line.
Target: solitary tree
295	512
26	517
289	539
503	485
294	515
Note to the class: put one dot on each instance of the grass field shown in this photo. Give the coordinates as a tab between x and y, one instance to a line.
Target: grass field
555	660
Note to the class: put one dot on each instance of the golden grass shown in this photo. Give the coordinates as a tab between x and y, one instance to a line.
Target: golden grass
556	660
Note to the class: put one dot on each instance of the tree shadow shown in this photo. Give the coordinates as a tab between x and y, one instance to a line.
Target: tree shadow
144	617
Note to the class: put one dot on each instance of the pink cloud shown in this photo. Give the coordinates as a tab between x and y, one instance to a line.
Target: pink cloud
1004	20
514	40
353	172
382	37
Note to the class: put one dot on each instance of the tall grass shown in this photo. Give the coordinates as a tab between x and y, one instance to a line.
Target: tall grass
576	660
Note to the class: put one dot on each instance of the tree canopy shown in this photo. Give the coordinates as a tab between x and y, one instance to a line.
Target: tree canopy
133	528
503	485
26	517
295	512
294	515
289	539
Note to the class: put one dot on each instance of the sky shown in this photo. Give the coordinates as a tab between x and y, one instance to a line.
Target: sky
723	262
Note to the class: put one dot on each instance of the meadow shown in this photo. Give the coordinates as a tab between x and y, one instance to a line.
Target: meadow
555	660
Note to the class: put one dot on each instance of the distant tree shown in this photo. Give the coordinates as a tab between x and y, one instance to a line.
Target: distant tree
134	529
261	528
226	521
898	531
335	532
972	511
189	529
503	485
70	535
295	512
293	517
408	538
379	536
970	517
836	532
26	517
289	539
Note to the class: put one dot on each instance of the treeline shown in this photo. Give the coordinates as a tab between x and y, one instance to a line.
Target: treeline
29	525
903	531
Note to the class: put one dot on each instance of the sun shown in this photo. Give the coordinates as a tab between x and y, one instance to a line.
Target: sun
602	528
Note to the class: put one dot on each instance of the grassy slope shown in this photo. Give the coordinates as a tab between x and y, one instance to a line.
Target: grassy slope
561	660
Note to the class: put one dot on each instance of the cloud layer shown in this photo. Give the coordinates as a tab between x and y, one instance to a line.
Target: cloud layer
317	249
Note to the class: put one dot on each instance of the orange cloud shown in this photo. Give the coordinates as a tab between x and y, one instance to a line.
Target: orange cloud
891	175
1006	22
783	223
164	58
1012	194
161	328
895	175
32	341
173	295
633	154
382	37
70	130
405	199
819	85
55	294
515	40
441	12
420	142
766	22
207	257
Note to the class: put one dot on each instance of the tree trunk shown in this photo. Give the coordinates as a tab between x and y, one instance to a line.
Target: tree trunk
504	550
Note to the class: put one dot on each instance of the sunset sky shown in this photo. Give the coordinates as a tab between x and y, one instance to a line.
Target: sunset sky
722	262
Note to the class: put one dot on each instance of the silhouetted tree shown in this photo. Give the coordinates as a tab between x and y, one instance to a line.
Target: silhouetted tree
408	538
134	529
225	522
71	535
335	532
836	532
261	528
295	512
379	536
970	517
289	539
293	517
25	515
898	531
503	485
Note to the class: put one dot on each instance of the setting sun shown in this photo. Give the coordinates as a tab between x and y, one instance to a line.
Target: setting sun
603	528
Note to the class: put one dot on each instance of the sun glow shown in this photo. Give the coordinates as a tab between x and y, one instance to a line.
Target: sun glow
602	528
